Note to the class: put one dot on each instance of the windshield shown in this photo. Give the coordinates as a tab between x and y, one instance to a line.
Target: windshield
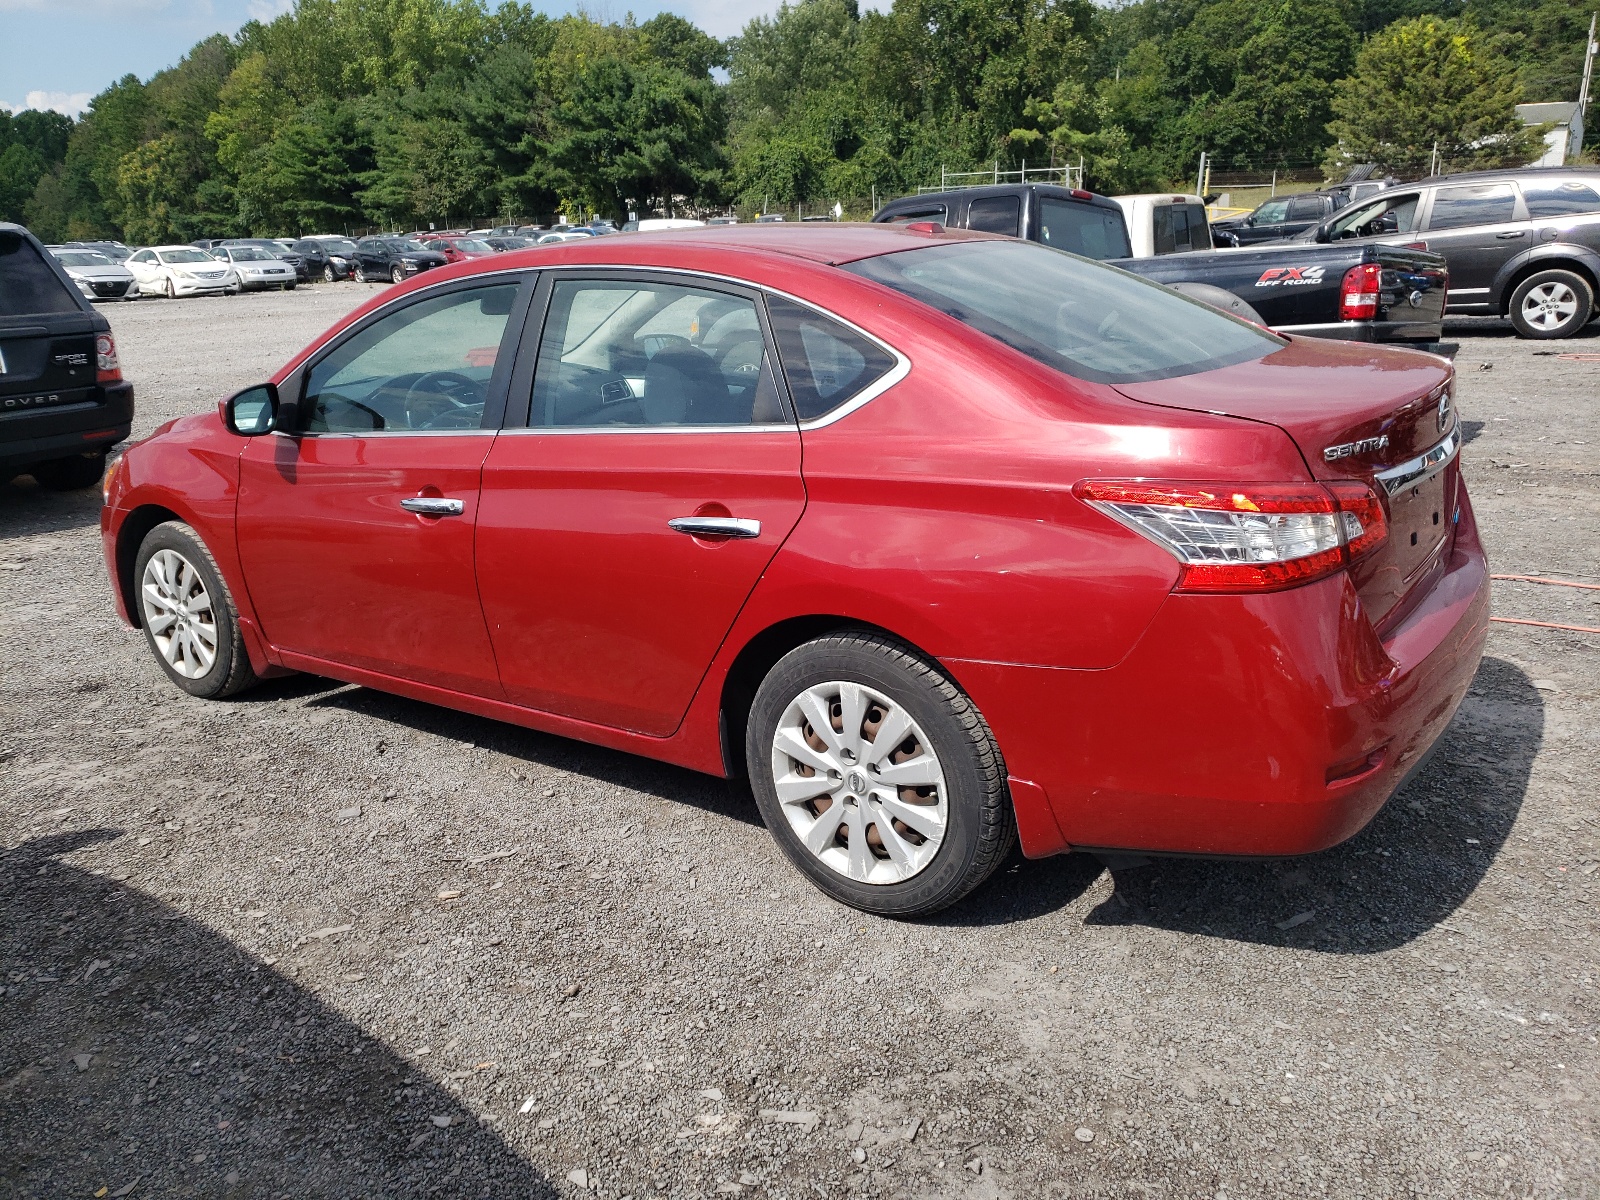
1085	319
339	248
250	254
83	258
185	256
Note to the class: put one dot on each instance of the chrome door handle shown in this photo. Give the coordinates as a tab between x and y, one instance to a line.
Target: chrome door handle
433	506
1515	233
717	527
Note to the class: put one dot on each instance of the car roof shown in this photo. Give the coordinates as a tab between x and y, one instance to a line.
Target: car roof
1003	189
1589	173
830	243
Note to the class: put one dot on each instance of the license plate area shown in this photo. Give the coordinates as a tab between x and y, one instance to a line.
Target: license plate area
1420	521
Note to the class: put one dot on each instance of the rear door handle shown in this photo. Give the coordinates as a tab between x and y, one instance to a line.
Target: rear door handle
433	506
1515	233
717	527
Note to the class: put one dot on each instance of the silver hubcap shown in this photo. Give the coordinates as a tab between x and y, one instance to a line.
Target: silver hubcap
178	613
1549	305
859	783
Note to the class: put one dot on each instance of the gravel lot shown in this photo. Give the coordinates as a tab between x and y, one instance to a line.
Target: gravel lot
319	941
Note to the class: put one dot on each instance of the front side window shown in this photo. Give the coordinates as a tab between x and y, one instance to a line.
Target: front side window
1482	204
996	214
1084	229
1086	320
1273	212
1392	214
641	353
424	368
825	364
1546	199
144	256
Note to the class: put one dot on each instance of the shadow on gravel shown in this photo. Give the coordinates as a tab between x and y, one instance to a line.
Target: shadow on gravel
27	509
143	1054
1423	854
718	797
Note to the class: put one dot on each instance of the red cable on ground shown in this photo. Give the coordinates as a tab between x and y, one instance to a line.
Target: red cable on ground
1591	587
1544	624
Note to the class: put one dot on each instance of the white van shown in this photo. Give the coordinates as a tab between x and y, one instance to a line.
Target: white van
1165	223
655	224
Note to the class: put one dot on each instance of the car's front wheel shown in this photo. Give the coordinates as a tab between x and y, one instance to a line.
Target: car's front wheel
189	618
360	273
327	274
397	274
1551	304
877	776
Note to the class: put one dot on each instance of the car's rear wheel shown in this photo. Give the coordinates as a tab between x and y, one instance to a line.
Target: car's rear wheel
70	474
397	274
1551	304
189	618
877	776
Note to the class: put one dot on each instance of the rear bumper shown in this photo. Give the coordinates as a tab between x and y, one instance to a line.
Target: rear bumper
1263	725
1369	331
35	437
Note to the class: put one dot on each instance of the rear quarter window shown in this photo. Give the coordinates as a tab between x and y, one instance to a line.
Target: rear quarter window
28	284
1560	199
996	214
825	363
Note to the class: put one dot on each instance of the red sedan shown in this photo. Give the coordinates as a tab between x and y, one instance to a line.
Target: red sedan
941	539
458	247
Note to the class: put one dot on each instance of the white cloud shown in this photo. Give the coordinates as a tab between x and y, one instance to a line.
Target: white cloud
71	103
266	10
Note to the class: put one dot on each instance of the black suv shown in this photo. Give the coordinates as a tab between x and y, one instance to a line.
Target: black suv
63	402
1522	243
1066	218
393	258
327	258
1278	218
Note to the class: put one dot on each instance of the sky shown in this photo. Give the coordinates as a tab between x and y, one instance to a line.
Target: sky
59	53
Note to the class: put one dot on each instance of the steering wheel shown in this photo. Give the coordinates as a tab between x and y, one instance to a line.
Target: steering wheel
426	398
739	342
664	341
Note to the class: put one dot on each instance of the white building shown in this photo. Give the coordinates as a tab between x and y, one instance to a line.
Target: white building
1565	139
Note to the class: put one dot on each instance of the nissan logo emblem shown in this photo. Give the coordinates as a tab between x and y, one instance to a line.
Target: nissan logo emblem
1444	412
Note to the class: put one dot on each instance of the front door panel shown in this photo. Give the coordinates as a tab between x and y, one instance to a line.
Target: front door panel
337	569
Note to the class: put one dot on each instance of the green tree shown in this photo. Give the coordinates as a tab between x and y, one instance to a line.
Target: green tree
1426	83
20	170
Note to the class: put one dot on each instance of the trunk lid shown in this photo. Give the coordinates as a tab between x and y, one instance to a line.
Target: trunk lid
1355	412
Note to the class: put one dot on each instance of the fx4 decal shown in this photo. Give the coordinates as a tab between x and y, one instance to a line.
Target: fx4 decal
1290	276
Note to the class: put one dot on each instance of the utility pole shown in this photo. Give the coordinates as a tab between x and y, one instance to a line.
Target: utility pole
1588	66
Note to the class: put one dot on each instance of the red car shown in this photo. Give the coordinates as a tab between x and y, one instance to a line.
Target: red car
459	248
942	539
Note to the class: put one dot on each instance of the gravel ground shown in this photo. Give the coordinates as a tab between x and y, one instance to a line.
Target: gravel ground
320	941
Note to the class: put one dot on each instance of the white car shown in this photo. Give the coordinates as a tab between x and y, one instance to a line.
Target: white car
174	271
97	276
566	235
256	268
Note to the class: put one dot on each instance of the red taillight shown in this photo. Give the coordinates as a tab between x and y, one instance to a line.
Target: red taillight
106	367
1258	537
1083	194
1358	294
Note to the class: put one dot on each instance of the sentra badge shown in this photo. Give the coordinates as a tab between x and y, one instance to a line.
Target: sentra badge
1351	449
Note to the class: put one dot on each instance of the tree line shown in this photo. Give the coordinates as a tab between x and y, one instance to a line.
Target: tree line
345	115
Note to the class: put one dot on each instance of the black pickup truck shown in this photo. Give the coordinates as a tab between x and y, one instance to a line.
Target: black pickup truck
1365	292
63	401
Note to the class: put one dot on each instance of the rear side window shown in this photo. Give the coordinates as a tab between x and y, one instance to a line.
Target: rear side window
928	212
1560	199
1175	227
28	284
1086	320
1482	204
1085	229
996	214
1305	208
824	363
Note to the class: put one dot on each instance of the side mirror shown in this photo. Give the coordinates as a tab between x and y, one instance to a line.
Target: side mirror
1323	235
1250	220
253	411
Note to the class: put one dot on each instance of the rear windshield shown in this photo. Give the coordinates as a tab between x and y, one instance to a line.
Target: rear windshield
1083	318
1085	229
28	284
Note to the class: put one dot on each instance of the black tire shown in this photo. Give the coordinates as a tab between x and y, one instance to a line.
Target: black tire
397	274
230	670
1553	290
288	287
327	274
980	828
70	474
